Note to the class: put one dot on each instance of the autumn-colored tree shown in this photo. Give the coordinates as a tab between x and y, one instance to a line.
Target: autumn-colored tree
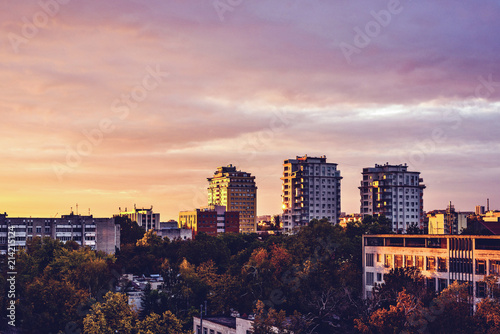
276	322
491	285
453	310
167	323
113	315
280	259
225	289
88	270
52	303
150	239
268	322
407	316
397	280
487	316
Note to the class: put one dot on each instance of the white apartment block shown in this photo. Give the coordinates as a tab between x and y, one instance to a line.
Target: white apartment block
442	259
395	192
311	190
101	234
222	325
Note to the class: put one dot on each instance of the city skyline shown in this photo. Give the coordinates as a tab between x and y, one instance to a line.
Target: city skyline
119	103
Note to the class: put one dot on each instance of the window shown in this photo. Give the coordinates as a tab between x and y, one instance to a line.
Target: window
398	261
212	331
378	257
431	263
408	261
480	267
379	277
369	278
198	329
431	284
494	267
419	262
480	289
442	264
38	229
388	260
369	260
442	284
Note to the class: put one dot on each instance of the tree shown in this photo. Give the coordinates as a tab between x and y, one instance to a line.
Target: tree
413	229
407	316
130	231
277	322
398	279
150	239
265	321
455	310
487	316
52	303
114	315
225	290
167	323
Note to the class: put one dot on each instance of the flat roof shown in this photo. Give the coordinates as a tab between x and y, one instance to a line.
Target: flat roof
431	236
221	320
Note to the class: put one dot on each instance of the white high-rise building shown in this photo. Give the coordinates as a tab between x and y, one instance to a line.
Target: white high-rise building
395	192
311	190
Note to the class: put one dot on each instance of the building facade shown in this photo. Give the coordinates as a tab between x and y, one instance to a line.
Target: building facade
235	190
350	218
211	220
222	325
395	192
145	218
101	234
447	221
172	231
442	259
311	190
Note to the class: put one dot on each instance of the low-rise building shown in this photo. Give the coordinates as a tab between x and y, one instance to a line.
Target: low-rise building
211	220
447	221
172	231
222	325
442	259
134	285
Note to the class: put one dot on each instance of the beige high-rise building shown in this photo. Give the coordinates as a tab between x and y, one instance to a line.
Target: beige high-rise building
236	190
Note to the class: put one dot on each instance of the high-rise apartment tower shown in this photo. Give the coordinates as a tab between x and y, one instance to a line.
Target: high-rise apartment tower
311	190
236	190
395	192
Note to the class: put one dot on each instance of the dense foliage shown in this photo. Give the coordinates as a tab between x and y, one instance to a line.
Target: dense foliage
309	282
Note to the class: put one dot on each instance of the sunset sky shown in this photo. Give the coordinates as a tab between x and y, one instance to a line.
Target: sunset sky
111	103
